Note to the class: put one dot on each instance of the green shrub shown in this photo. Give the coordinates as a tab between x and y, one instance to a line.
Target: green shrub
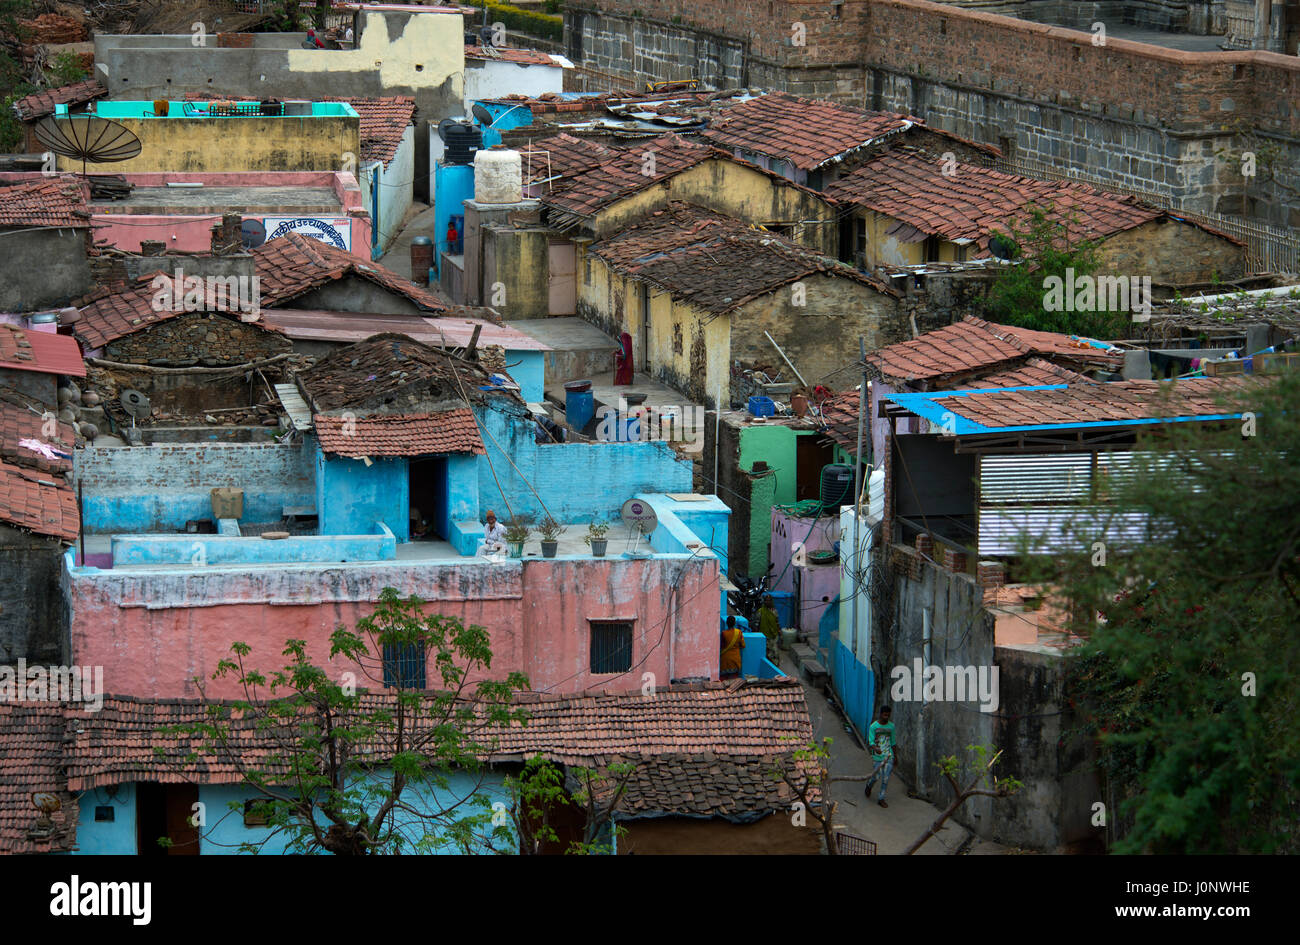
519	20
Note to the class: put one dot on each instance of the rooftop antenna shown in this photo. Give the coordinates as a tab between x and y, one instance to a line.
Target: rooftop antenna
136	404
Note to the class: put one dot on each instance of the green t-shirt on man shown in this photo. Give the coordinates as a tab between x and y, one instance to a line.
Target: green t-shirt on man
882	741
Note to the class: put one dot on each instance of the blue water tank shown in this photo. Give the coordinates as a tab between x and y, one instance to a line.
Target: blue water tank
579	404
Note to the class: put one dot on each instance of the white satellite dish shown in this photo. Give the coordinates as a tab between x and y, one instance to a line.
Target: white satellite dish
639	516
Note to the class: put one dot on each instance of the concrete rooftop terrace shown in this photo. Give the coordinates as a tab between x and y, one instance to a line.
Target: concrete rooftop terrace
206	199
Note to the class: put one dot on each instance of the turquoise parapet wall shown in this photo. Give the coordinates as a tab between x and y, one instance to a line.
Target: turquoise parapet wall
578	481
528	368
453	185
127	108
204	550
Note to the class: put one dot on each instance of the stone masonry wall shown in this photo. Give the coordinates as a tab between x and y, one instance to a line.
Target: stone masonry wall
1130	114
200	336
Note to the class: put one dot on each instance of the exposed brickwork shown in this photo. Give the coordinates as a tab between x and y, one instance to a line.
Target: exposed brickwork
990	574
954	560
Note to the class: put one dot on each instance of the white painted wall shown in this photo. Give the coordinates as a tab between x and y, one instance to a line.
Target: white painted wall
497	79
395	184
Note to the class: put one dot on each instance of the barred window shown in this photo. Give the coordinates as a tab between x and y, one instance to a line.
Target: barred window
611	646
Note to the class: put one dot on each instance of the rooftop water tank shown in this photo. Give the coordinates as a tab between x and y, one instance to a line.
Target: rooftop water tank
837	486
462	140
498	176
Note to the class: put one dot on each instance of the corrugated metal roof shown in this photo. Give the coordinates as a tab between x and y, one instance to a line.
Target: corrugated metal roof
295	407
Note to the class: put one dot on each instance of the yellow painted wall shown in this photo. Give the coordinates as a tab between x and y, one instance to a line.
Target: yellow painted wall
237	144
885	250
737	191
699	365
433	42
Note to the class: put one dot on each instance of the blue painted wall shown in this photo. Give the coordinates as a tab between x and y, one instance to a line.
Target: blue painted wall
453	185
203	550
351	496
579	481
225	829
136	489
529	373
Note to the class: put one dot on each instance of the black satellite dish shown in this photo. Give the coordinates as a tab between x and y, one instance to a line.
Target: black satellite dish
136	404
1003	247
88	137
252	233
482	115
444	125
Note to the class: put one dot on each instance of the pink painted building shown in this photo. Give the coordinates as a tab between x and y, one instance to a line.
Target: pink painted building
180	208
813	585
154	630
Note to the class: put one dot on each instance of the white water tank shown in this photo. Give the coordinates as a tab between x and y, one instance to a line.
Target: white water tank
498	176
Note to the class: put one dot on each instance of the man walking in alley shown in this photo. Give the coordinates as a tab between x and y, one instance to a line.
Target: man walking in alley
882	743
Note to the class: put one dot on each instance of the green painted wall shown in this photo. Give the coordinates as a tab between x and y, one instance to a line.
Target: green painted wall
760	524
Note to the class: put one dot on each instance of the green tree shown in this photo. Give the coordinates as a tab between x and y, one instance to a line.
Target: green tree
983	782
542	788
341	771
1188	677
1045	245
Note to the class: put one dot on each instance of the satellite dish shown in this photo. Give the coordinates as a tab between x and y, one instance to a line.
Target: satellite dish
482	115
136	404
88	137
1002	247
252	233
638	515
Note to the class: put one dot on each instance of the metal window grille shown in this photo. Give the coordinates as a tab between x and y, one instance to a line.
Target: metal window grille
611	646
849	845
404	666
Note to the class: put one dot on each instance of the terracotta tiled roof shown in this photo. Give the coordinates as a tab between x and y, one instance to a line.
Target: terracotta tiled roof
1034	372
714	262
972	344
972	202
733	787
54	202
806	132
17	423
41	351
40	104
840	414
623	174
387	366
520	57
287	267
452	431
568	156
293	265
757	718
31	762
383	123
1098	404
39	502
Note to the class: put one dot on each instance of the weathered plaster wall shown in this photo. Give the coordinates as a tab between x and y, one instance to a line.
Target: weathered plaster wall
238	144
33	611
578	481
170	626
132	489
516	271
738	191
352	496
42	268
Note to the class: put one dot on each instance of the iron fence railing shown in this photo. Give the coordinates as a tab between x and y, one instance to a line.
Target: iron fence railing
848	845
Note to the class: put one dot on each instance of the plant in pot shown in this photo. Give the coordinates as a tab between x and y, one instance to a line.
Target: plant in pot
517	533
596	531
550	531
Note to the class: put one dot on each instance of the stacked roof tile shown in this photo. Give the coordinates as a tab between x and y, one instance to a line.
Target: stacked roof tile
287	267
563	155
1033	373
973	344
806	132
971	203
451	431
732	787
41	351
31	772
39	104
23	439
38	502
54	202
381	367
714	262
520	57
383	123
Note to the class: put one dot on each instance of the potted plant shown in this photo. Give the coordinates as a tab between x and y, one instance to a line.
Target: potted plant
517	533
550	531
596	537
